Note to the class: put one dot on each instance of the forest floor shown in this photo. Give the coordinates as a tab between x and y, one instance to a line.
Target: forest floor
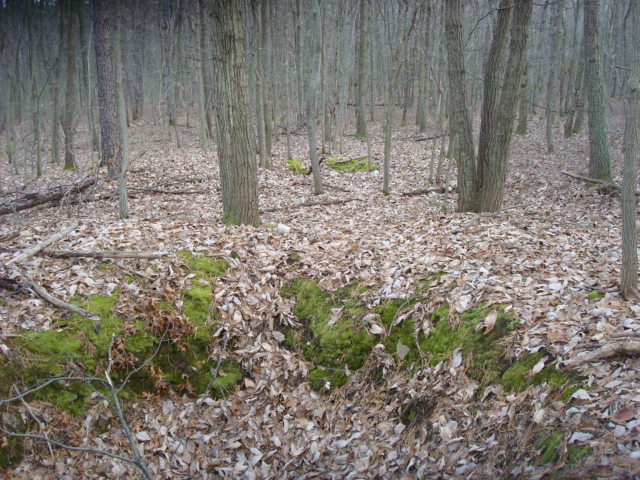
550	257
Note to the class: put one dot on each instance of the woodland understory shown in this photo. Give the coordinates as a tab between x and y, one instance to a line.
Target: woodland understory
550	258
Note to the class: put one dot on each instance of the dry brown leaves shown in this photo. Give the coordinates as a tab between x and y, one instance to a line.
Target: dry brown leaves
553	243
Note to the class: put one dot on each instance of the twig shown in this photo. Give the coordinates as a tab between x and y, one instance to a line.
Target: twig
35	249
423	191
606	351
590	180
38	421
129	271
47	383
123	422
167	192
42	293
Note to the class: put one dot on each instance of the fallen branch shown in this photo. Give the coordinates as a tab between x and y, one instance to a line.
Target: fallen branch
88	254
42	293
423	191
311	203
590	180
51	195
606	351
167	192
40	246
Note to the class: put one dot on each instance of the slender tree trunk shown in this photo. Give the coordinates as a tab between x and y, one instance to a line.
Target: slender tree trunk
361	51
68	122
551	93
259	90
236	152
123	199
599	162
312	89
137	107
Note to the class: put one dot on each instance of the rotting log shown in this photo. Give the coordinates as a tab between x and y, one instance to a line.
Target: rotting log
51	195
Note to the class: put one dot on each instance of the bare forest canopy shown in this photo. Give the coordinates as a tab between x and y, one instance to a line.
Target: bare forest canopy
319	239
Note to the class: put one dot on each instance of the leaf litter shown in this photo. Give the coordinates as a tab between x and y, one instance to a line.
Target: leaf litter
539	257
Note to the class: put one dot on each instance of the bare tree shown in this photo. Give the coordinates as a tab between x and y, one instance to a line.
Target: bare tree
236	153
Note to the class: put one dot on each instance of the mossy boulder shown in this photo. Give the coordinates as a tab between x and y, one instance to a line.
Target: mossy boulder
352	165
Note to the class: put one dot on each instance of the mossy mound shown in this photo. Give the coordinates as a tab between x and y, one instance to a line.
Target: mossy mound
352	165
295	165
334	344
155	348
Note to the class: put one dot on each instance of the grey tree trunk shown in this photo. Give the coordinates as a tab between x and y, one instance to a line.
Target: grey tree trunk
599	162
361	49
311	94
460	119
236	153
123	199
629	277
259	89
111	140
68	122
551	94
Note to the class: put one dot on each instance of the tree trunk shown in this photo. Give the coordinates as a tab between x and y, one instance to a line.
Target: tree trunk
68	122
236	153
551	94
259	89
123	199
599	162
629	278
312	91
492	161
110	135
361	49
460	119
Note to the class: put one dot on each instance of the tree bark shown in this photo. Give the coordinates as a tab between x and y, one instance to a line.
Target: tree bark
110	135
68	122
629	277
599	161
311	105
460	119
236	154
361	48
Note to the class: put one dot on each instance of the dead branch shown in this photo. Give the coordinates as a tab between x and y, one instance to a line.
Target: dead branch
88	254
129	271
167	192
8	236
606	351
40	246
423	191
51	195
42	293
425	139
311	203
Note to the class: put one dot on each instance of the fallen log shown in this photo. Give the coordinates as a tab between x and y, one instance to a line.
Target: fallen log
89	254
605	351
51	195
311	203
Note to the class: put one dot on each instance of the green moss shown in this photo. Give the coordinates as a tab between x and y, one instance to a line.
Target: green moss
353	165
332	347
518	377
360	136
197	302
594	295
550	448
3	302
203	267
295	165
484	351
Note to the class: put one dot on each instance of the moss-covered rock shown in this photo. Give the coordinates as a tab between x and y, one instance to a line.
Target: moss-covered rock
352	165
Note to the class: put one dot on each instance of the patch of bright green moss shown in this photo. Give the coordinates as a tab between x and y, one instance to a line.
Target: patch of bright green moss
295	165
203	267
3	302
483	349
353	165
550	448
332	348
518	377
197	302
594	295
